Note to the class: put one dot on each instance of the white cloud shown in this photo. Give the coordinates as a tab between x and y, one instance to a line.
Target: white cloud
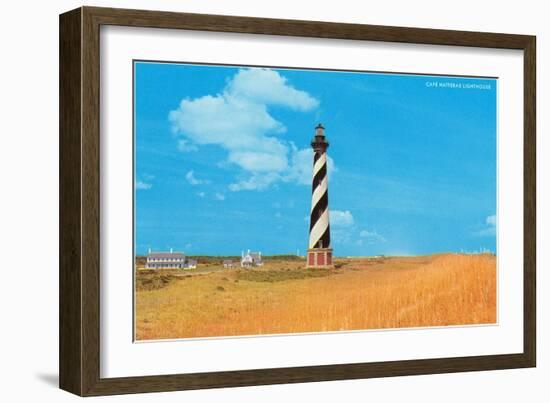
219	196
490	227
254	161
140	185
269	170
255	182
269	87
489	231
185	146
341	226
190	177
229	121
238	120
301	165
201	194
371	237
145	183
341	218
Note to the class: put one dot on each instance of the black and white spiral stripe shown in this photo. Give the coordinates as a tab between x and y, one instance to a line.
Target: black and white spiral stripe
319	229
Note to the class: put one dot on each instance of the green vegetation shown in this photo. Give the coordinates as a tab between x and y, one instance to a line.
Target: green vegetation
148	283
272	276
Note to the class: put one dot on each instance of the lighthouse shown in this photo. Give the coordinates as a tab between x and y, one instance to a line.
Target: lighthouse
319	253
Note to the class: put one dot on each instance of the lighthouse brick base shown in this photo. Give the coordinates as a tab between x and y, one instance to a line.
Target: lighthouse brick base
320	258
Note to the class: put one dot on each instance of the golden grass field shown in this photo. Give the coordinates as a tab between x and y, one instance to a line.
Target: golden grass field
284	297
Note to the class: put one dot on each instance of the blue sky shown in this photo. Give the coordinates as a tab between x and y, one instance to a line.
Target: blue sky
223	161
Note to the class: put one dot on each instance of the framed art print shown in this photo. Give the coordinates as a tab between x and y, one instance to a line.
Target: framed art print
250	201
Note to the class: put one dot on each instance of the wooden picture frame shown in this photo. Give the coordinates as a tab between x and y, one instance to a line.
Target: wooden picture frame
79	348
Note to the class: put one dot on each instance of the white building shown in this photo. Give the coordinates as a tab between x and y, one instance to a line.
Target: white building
251	259
190	264
169	260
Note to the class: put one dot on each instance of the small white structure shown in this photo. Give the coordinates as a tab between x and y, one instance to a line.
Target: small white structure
190	264
251	259
165	260
228	263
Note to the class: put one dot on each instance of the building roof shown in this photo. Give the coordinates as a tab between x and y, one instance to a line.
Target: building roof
166	255
256	255
227	261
